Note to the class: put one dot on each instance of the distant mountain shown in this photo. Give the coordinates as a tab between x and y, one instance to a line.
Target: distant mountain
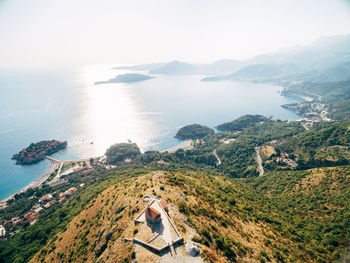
145	67
325	52
264	71
215	78
326	59
224	66
259	72
125	78
340	72
175	68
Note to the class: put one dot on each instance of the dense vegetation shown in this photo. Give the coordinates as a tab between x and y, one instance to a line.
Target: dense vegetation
327	145
340	110
313	206
323	92
193	131
242	123
238	157
121	151
287	202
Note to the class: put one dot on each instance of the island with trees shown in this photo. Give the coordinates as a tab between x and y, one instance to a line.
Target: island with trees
126	78
193	131
121	151
36	152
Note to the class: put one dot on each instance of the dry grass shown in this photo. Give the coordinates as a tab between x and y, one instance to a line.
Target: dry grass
267	151
101	228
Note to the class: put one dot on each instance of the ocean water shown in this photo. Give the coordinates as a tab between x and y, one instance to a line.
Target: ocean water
66	105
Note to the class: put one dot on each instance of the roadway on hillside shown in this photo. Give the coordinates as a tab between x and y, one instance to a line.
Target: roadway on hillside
217	157
260	167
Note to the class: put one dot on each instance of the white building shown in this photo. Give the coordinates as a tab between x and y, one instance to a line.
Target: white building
2	231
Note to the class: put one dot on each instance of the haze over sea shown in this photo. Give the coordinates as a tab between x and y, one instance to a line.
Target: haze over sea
66	105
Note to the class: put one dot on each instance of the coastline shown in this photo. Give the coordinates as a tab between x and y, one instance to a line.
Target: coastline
184	145
307	99
54	164
36	183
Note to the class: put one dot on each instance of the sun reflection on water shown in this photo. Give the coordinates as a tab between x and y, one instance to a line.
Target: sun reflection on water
112	114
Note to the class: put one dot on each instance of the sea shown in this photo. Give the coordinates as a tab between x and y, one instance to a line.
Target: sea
64	104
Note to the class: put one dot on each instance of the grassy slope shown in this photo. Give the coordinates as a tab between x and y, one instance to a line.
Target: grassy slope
275	222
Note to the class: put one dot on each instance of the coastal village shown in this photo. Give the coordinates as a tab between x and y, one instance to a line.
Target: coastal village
53	178
13	226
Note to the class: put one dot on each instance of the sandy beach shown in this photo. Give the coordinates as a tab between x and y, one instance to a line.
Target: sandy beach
38	182
187	144
308	99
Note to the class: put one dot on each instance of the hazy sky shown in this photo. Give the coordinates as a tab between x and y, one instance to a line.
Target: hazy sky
128	31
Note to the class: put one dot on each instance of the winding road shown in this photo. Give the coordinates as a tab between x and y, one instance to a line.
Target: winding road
217	157
260	167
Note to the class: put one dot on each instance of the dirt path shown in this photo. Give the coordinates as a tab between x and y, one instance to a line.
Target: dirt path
305	127
260	167
217	157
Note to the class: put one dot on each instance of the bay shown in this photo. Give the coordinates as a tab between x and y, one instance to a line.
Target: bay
65	104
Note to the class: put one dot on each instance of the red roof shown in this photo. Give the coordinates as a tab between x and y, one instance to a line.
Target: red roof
46	197
88	171
152	213
28	214
70	191
79	169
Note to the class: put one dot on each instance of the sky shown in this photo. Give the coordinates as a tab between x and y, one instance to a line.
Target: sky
80	32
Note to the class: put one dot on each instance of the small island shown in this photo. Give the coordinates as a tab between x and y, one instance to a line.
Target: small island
126	78
193	131
121	151
36	152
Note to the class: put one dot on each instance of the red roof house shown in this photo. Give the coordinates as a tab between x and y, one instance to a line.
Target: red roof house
152	215
45	198
70	191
